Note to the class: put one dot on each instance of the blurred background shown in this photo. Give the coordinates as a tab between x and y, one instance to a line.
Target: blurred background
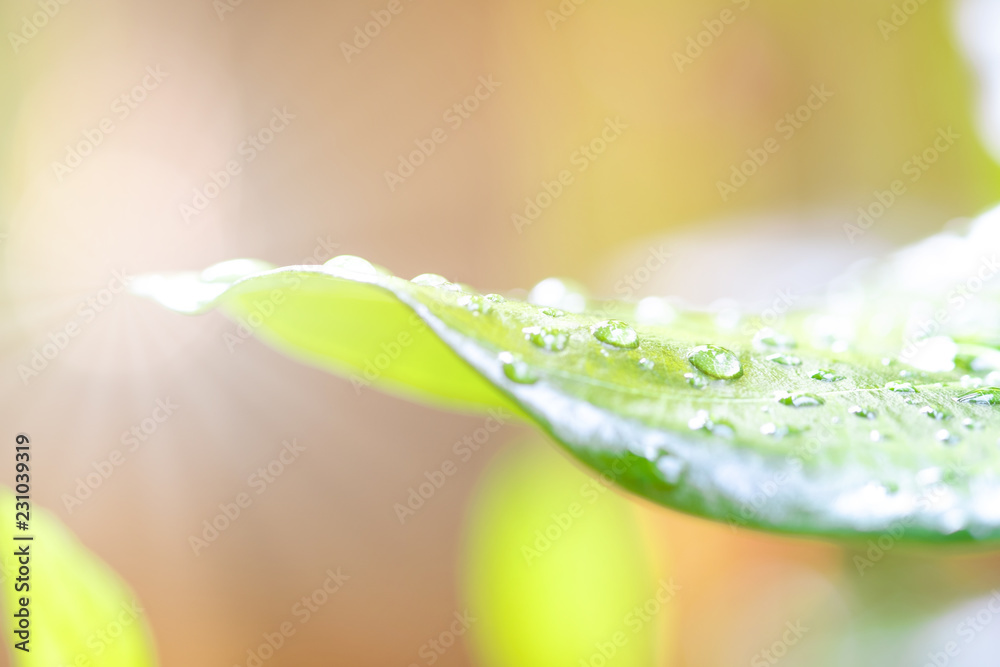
497	143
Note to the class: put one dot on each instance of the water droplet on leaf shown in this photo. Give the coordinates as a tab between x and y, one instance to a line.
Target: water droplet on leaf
902	387
801	400
984	396
784	359
517	370
863	413
827	375
616	333
349	264
547	338
715	361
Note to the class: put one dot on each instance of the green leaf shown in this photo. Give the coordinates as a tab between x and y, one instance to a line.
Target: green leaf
818	428
80	612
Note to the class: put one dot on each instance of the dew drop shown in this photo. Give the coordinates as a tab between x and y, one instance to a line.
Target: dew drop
554	312
784	359
616	333
703	422
863	413
547	338
827	375
902	387
647	363
427	279
972	424
718	362
983	396
349	264
801	400
494	298
517	370
934	413
875	436
434	280
475	304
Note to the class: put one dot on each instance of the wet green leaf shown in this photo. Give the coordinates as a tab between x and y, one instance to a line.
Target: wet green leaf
710	415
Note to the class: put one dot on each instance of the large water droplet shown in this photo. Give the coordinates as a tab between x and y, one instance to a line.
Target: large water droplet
616	333
827	375
547	338
863	413
902	387
517	370
345	265
784	359
983	396
718	362
801	400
